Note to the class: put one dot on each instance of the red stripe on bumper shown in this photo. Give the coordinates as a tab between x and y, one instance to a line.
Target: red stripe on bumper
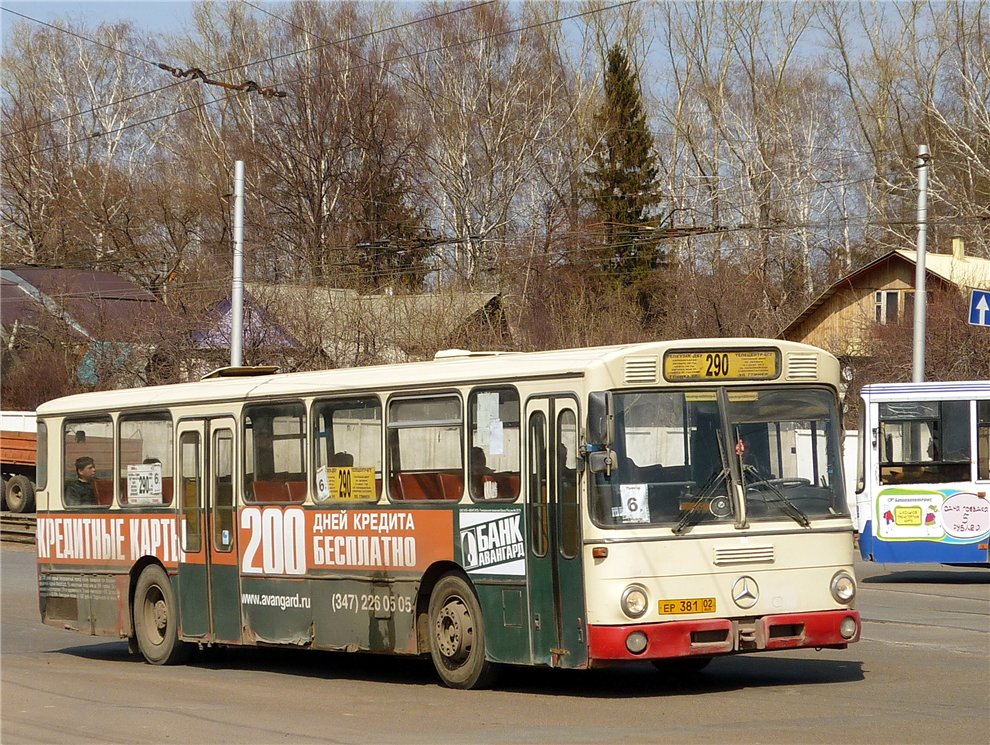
723	636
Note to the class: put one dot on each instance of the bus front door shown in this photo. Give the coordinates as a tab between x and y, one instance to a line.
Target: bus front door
556	589
209	601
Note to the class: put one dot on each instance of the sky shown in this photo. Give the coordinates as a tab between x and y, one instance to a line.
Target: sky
159	16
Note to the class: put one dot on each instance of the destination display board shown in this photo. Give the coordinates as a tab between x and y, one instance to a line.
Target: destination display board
721	364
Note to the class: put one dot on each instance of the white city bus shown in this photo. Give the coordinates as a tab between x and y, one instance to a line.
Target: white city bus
671	502
924	472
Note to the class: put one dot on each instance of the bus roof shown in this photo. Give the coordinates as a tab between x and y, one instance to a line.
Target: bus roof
447	367
937	388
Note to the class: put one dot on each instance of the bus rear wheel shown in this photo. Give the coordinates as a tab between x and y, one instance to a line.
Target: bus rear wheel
156	622
20	494
457	635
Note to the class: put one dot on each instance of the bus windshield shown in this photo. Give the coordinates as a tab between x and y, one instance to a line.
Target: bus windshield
679	452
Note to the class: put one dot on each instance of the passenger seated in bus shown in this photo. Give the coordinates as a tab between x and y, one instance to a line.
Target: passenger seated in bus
479	464
480	473
82	490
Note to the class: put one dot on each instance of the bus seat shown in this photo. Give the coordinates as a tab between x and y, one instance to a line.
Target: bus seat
420	485
296	490
270	491
168	489
104	491
395	488
508	484
451	485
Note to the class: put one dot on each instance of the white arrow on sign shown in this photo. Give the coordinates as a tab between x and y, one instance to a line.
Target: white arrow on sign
983	307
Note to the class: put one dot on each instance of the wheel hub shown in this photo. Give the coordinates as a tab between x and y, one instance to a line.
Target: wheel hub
161	615
454	631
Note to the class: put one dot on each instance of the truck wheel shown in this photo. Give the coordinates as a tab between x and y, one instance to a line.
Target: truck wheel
156	620
457	635
20	494
3	493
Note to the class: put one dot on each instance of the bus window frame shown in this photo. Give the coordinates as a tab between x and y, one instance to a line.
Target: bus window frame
936	469
470	424
124	417
314	423
981	420
389	452
68	469
247	488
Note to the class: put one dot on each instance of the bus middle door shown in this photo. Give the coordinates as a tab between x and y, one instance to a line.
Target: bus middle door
209	590
556	602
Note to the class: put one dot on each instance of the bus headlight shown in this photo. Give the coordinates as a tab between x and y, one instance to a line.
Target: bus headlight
634	601
843	587
847	628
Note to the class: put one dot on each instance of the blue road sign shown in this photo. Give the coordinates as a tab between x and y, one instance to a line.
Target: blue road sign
979	308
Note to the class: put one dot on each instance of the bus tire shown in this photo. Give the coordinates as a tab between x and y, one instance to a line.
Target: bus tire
156	622
20	494
681	666
457	635
3	493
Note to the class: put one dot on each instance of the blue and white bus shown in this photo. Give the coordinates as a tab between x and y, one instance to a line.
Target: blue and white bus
923	485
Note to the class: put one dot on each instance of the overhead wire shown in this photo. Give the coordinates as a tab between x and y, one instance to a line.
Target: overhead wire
416	54
157	65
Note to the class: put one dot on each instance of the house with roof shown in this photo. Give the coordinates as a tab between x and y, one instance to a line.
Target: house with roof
843	317
263	339
345	329
104	317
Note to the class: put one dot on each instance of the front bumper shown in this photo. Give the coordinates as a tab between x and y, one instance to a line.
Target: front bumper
719	636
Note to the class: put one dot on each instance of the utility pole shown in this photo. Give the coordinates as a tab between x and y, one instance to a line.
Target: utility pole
920	297
237	289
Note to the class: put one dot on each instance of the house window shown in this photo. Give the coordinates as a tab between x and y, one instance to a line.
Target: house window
894	306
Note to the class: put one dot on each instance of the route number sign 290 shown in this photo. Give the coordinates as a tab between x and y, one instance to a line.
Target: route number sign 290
721	364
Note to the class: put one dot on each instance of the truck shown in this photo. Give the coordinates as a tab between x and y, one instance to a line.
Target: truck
18	460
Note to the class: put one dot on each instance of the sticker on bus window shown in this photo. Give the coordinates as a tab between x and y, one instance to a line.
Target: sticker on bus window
487	413
634	507
144	483
496	436
353	484
322	484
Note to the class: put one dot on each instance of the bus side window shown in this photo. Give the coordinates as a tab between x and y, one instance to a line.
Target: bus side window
88	442
983	440
493	446
425	436
347	443
274	451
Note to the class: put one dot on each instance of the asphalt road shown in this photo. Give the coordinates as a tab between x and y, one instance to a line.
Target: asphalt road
921	674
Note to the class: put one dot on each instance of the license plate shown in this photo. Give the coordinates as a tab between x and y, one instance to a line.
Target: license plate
687	605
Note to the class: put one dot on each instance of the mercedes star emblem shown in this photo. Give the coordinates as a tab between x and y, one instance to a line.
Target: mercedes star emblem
745	592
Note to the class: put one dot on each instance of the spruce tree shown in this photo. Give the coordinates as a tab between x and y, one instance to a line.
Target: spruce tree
622	183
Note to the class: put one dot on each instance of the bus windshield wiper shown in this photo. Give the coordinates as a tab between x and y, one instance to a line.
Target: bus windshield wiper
777	496
692	515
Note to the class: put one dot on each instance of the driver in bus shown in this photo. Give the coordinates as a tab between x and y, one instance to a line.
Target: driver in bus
82	490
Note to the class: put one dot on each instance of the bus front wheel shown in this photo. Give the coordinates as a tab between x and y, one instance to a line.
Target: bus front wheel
156	622
457	635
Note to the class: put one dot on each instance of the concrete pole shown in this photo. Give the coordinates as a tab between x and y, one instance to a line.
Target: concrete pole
237	289
920	297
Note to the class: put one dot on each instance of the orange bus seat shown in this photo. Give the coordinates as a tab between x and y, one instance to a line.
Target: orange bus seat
104	491
167	489
296	490
270	491
451	485
508	484
420	485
